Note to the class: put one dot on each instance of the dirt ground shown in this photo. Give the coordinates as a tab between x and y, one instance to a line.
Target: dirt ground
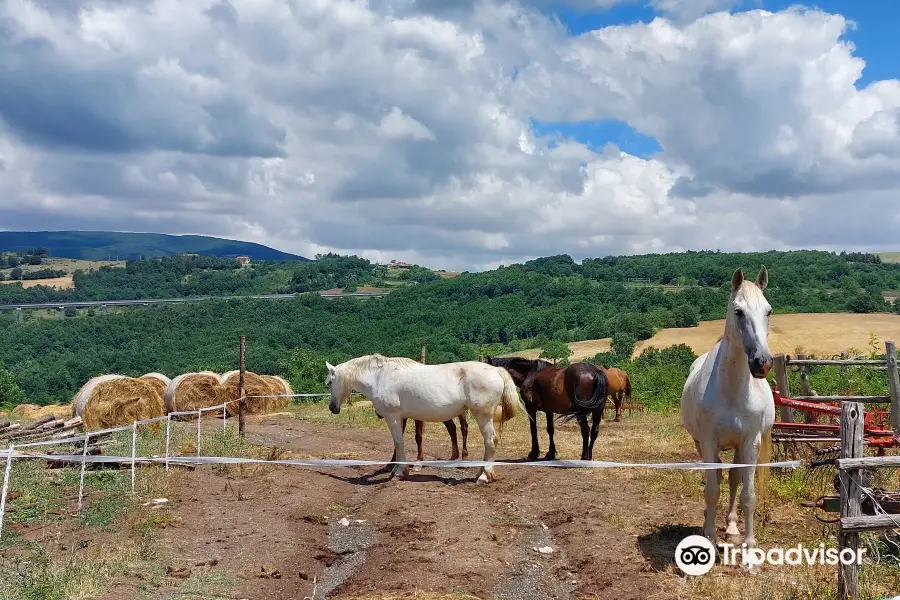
271	533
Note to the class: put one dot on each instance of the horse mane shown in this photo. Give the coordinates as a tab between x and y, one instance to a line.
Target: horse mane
521	363
351	369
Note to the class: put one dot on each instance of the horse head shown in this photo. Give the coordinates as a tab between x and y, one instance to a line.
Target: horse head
747	322
335	386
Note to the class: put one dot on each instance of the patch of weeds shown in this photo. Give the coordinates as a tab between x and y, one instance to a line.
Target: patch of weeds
107	496
40	497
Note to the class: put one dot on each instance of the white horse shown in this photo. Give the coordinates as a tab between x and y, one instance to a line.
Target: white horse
401	388
727	403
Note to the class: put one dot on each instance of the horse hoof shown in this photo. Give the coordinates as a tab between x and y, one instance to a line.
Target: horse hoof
732	532
617	420
549	456
417	468
531	456
483	479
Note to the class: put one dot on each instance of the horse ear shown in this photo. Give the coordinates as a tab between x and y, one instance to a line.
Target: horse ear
762	280
737	279
329	366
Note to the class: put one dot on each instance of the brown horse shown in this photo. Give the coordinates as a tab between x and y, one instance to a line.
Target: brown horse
574	391
451	429
619	388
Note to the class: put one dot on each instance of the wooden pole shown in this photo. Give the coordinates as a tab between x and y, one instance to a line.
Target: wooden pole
852	417
894	384
808	416
242	402
844	356
781	380
423	355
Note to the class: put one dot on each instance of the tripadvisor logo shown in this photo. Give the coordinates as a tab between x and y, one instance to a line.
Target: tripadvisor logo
696	555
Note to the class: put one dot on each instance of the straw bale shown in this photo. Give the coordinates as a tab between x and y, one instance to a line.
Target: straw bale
33	412
254	385
191	391
279	385
118	400
81	397
159	381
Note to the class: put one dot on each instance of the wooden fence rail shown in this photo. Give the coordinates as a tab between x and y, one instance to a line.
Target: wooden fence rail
889	364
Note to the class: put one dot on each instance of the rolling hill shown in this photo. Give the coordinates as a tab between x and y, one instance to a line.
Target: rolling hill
111	245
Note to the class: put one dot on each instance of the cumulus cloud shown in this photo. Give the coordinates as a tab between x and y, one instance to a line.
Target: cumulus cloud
402	129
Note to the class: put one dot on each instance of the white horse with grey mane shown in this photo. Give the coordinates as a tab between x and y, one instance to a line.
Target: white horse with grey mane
727	403
401	388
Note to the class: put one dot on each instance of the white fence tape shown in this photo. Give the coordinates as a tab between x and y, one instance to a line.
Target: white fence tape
349	462
16	452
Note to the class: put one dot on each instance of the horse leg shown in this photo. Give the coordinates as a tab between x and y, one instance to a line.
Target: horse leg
486	424
734	479
596	417
617	399
711	492
403	431
420	429
396	428
464	429
551	451
585	436
749	455
451	429
532	422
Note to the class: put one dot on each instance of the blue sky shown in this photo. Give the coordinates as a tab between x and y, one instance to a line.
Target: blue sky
875	39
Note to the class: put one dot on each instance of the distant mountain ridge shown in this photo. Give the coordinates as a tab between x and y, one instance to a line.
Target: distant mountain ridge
113	245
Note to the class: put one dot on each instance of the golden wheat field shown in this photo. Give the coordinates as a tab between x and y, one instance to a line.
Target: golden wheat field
60	283
814	334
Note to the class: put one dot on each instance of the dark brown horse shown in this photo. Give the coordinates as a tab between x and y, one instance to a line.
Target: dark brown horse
574	391
451	429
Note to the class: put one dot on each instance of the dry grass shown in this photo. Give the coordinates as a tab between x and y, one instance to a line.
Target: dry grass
60	283
819	334
890	257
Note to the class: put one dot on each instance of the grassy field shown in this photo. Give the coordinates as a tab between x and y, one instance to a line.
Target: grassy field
815	334
69	265
890	257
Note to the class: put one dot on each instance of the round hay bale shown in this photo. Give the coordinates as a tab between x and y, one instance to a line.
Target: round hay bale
159	376
119	400
159	381
279	385
81	397
58	411
254	385
190	391
26	411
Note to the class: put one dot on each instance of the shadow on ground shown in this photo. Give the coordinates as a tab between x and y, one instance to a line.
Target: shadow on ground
658	546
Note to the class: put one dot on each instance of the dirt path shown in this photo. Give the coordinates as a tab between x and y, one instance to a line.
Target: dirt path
269	534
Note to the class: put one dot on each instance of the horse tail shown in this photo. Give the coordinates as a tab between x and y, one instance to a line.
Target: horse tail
765	456
510	402
627	388
601	389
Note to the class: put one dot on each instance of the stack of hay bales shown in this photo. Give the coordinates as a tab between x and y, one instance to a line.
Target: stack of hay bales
33	412
255	385
191	391
115	400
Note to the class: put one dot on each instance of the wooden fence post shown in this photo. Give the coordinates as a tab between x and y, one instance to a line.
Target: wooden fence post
852	417
242	402
781	380
423	354
806	390
894	383
844	356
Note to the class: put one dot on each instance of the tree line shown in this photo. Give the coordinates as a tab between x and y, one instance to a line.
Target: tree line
508	309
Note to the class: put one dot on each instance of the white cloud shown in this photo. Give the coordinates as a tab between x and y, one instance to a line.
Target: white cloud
401	129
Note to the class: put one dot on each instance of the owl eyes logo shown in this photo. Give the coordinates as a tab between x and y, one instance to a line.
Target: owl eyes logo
695	555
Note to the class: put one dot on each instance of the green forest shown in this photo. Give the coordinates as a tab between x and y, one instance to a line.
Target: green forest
511	308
